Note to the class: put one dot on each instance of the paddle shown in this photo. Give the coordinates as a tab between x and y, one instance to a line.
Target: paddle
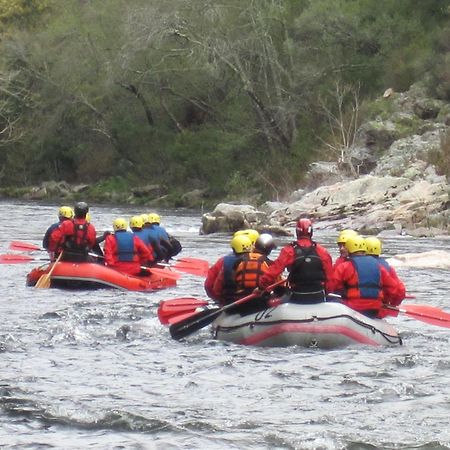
425	313
169	309
189	265
197	261
45	280
23	246
180	317
18	259
200	320
190	268
195	266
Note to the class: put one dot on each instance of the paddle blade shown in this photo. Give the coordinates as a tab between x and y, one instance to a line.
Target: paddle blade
194	322
197	261
44	281
192	269
428	314
179	318
23	246
15	259
170	309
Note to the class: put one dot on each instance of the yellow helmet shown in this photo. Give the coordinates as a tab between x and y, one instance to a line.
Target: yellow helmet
145	218
120	224
374	246
65	211
355	244
154	218
136	222
344	235
252	234
241	244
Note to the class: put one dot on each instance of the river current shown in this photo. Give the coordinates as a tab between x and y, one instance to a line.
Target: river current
96	369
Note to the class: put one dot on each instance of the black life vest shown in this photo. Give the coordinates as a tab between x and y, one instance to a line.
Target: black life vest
306	273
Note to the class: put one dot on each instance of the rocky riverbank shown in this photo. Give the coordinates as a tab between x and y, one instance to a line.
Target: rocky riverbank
399	184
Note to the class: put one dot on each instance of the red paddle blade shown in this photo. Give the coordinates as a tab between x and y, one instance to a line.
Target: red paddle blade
180	317
15	259
190	268
197	261
170	309
23	246
428	314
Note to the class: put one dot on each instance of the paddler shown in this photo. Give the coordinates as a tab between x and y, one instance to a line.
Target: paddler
309	265
64	213
215	269
238	275
124	251
76	237
374	249
363	283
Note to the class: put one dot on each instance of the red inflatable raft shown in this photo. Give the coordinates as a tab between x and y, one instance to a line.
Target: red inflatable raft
86	275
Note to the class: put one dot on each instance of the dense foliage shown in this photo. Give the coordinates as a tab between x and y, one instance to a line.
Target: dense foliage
230	96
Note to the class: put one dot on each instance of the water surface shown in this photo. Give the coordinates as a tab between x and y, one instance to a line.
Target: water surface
97	370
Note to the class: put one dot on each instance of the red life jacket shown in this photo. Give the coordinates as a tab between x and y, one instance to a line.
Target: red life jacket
76	243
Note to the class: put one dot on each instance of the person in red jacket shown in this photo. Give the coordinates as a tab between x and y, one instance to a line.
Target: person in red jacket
220	275
124	251
64	213
215	269
238	275
374	248
75	237
363	283
309	265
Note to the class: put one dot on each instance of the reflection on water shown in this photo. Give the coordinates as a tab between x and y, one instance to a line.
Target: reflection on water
97	370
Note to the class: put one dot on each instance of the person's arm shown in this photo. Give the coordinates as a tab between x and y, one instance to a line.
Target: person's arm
285	259
393	290
211	277
46	239
327	264
110	250
56	238
338	278
142	251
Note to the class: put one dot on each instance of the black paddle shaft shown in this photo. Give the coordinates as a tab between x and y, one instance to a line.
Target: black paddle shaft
192	324
200	320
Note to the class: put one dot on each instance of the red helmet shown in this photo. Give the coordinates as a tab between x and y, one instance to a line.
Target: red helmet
304	228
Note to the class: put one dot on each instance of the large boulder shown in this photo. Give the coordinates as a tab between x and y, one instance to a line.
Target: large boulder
227	218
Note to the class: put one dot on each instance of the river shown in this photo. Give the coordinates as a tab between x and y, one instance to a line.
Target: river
96	370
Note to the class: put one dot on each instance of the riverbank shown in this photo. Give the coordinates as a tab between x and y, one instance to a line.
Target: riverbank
394	176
